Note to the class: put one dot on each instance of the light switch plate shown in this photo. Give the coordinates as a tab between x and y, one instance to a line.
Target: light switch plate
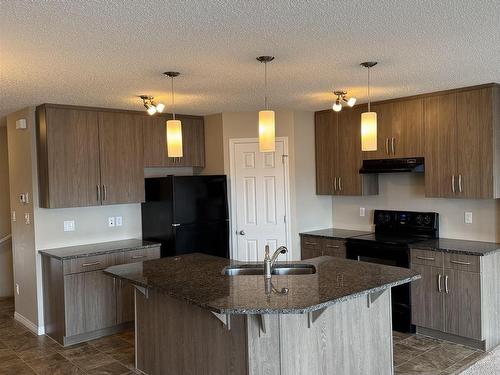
111	221
69	226
14	216
362	211
468	217
119	221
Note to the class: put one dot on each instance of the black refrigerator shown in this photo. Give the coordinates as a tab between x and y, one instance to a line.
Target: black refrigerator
187	214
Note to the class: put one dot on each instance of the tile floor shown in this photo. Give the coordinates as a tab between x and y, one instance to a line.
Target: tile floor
22	352
425	356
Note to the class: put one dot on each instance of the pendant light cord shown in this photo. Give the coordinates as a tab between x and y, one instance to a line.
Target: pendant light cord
173	98
265	86
369	90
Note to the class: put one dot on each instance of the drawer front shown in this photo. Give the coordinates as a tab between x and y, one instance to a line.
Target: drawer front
334	248
141	255
91	263
462	262
311	247
427	257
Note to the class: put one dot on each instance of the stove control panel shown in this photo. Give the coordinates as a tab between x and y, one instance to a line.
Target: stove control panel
425	223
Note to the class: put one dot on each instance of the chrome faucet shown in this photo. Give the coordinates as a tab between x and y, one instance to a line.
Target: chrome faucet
269	261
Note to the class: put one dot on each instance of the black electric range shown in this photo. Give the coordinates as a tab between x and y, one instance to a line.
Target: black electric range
390	245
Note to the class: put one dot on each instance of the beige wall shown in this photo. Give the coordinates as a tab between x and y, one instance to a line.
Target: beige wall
405	191
214	145
308	211
23	234
6	276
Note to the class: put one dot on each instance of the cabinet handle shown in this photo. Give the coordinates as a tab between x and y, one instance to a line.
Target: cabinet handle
104	192
387	146
114	283
310	243
446	284
98	193
453	183
426	258
439	283
138	256
333	246
459	262
393	147
460	183
335	184
340	183
90	264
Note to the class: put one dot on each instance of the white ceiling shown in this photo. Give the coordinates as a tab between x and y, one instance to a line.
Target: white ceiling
105	53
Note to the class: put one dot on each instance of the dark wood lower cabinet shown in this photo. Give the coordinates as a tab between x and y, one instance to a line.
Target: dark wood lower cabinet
83	303
314	246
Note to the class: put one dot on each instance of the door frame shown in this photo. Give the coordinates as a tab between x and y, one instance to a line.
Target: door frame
232	201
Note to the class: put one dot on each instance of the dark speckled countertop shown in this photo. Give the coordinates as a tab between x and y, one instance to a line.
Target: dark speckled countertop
198	279
449	245
81	251
335	233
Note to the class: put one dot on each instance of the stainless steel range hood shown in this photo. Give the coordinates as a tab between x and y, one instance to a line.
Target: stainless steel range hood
393	165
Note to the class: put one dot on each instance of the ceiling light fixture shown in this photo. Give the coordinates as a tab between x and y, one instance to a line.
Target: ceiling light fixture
173	127
342	97
369	119
151	106
266	117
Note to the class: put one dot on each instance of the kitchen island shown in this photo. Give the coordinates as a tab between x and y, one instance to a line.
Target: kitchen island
192	318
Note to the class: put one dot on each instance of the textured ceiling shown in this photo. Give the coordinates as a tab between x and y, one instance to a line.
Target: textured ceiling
105	53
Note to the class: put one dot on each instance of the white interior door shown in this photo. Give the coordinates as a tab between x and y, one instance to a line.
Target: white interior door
259	199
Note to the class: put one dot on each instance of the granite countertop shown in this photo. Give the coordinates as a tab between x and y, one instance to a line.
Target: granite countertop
449	245
198	279
335	233
81	251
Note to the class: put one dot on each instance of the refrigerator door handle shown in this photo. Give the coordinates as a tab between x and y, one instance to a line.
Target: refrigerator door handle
176	225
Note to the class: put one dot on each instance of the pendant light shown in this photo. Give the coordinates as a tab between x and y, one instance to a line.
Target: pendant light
369	119
266	117
173	127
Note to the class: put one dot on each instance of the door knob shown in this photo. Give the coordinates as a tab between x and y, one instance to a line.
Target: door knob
242	232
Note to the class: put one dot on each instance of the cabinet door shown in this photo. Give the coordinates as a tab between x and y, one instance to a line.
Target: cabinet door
99	301
334	248
426	298
325	124
155	143
125	304
475	144
311	247
121	155
74	304
440	145
408	128
384	131
463	304
68	152
349	153
193	142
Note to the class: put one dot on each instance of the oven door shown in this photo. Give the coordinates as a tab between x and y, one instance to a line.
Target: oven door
391	255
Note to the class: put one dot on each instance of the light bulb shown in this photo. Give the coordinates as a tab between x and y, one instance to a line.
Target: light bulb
151	110
351	102
337	107
160	107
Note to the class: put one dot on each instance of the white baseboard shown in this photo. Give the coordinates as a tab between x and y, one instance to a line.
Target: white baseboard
29	324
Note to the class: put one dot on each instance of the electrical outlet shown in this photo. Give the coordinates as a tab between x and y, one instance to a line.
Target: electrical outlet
69	226
27	218
17	289
119	221
362	211
111	221
468	217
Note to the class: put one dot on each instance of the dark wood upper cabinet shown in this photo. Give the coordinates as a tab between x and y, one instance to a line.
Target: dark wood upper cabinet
68	157
462	144
338	154
121	155
193	142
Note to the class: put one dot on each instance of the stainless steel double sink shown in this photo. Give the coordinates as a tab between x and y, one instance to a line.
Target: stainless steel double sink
278	269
